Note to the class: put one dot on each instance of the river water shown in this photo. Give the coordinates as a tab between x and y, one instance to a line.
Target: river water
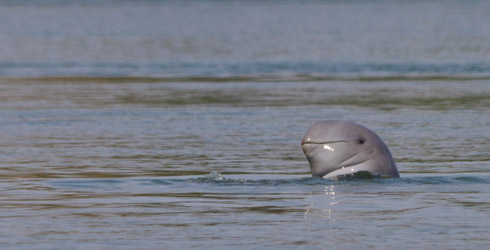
177	124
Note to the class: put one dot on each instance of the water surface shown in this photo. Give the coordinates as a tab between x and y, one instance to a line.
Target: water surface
177	124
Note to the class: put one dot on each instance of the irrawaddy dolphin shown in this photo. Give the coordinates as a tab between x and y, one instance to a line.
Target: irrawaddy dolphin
337	148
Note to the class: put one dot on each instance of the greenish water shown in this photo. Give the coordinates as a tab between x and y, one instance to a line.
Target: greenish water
202	164
177	125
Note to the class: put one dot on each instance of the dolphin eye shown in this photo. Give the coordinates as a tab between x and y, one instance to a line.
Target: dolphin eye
361	140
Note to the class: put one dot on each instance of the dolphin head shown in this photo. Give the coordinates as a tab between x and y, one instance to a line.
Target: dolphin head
336	148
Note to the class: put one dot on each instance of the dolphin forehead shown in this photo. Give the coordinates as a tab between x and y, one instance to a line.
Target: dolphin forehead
332	131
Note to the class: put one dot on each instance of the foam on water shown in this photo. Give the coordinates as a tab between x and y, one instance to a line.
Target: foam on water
237	181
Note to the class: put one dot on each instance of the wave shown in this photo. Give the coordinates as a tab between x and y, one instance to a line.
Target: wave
260	78
243	72
218	179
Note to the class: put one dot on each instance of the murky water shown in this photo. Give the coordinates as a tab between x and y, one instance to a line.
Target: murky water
177	125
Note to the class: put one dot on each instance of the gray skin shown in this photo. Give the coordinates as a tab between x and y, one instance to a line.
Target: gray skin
335	148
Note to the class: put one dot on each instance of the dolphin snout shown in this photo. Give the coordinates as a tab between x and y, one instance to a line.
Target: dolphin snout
306	140
303	142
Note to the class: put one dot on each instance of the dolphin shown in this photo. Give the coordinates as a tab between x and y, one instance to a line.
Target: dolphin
340	148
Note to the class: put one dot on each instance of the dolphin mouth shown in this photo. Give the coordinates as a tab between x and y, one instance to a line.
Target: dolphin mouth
309	147
321	142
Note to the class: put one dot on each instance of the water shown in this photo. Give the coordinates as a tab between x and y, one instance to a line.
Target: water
177	124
